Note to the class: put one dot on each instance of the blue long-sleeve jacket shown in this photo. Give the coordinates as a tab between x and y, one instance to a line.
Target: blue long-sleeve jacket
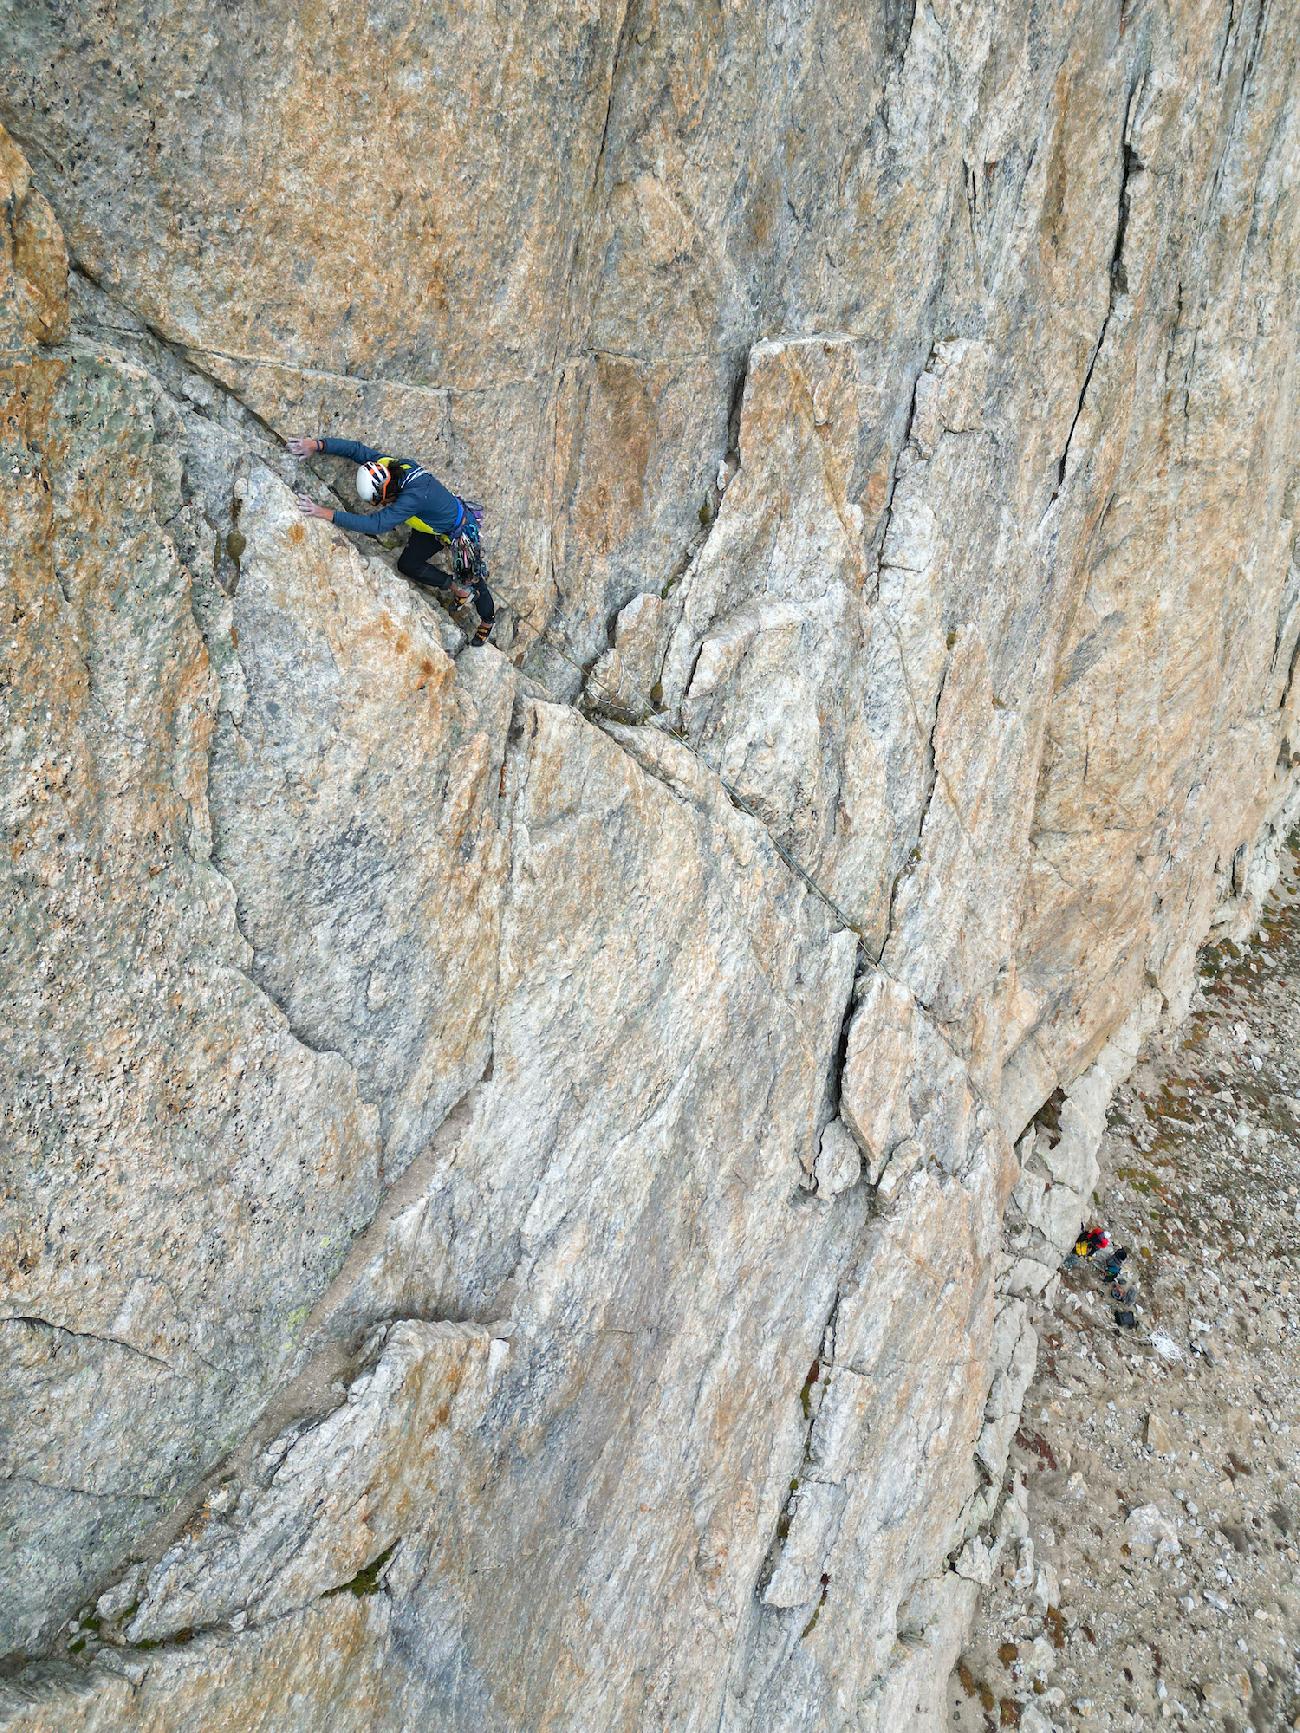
422	501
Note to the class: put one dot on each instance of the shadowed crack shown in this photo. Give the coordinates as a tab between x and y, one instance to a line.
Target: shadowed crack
83	1491
259	978
835	1081
620	50
369	1580
932	779
1227	38
741	805
739	381
87	1336
1130	164
904	444
76	1672
823	1361
900	20
181	351
713	499
299	1408
1289	683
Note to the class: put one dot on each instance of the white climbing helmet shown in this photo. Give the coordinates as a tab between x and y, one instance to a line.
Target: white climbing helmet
373	481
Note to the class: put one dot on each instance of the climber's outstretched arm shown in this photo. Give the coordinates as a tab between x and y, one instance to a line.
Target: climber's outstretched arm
366	524
304	446
371	523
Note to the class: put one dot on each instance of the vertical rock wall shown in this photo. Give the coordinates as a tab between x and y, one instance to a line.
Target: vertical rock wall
518	1213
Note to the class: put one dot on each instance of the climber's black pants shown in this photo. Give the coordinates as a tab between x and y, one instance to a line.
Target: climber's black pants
414	564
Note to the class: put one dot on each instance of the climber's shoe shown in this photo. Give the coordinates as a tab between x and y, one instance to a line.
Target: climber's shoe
482	632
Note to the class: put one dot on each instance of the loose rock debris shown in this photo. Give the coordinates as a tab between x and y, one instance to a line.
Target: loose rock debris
1152	1577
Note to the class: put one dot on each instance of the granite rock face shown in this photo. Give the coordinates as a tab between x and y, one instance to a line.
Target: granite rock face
525	1166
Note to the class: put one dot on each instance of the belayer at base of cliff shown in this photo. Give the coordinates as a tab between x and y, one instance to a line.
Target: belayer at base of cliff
406	493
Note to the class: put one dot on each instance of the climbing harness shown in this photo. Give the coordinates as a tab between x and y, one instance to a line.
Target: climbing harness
467	546
471	568
469	564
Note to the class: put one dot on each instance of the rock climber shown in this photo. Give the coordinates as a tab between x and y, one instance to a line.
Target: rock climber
1090	1242
406	493
1114	1264
1095	1242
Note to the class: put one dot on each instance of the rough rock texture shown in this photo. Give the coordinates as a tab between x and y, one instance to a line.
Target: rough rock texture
1146	1574
566	1140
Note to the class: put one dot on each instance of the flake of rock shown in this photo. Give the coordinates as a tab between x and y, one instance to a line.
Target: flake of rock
124	1594
354	976
839	1160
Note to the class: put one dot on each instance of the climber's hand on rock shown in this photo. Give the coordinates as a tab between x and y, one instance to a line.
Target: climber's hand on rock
309	508
303	447
460	592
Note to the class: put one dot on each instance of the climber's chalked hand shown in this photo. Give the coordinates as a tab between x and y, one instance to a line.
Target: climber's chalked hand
303	447
309	508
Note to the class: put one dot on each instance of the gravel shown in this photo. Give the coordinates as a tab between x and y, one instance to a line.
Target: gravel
1161	1464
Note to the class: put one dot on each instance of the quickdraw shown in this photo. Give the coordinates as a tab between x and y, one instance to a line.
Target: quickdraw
467	547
